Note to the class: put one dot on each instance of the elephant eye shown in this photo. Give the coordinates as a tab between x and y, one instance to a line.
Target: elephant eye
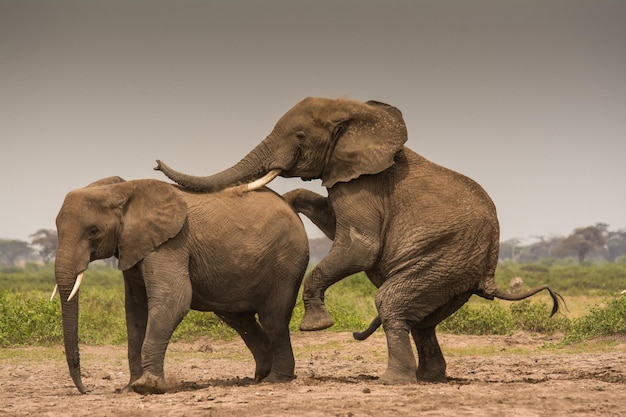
300	134
94	232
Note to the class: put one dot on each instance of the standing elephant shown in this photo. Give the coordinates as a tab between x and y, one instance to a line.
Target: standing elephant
232	253
426	236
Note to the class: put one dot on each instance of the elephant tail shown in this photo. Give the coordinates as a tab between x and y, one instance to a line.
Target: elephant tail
493	292
375	324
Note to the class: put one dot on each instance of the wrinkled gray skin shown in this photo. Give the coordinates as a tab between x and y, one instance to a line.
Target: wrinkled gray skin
426	236
235	254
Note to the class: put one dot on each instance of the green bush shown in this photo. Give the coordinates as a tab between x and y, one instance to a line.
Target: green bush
535	317
479	320
26	320
102	319
565	276
32	277
40	278
603	320
493	318
27	317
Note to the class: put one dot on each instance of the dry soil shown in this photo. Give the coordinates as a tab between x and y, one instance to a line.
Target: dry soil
336	376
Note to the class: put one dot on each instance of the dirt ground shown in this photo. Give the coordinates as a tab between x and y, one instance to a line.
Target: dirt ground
336	376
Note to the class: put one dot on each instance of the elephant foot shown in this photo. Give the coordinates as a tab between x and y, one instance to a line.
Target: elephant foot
431	376
260	375
275	377
149	384
126	390
316	318
391	377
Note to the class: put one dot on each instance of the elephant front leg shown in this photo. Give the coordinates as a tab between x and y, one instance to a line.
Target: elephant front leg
351	252
136	305
317	208
356	245
316	316
167	305
314	206
342	261
161	325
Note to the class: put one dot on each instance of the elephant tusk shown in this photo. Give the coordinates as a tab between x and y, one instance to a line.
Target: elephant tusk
263	181
79	279
54	292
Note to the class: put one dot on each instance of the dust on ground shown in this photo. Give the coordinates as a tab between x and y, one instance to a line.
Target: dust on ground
336	376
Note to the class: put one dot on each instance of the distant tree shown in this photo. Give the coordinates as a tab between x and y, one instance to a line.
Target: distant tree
543	248
46	242
583	241
12	250
615	245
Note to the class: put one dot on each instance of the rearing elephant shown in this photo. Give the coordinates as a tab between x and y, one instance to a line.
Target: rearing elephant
426	236
239	255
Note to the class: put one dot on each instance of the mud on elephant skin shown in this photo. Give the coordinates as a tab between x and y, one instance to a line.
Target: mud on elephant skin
239	255
425	235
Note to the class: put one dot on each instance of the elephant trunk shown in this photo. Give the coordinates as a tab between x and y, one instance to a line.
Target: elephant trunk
260	161
66	278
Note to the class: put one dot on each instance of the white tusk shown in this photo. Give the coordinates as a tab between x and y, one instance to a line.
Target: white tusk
263	181
54	292
79	279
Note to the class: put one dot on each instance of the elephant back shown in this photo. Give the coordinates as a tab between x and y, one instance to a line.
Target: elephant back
257	225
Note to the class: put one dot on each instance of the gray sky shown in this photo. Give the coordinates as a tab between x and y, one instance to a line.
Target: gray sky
526	97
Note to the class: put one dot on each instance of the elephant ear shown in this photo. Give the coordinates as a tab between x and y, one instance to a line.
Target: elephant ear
153	212
366	136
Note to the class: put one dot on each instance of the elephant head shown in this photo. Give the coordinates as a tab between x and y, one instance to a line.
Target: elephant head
327	139
103	220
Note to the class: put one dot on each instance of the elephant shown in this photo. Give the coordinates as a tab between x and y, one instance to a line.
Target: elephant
426	236
237	254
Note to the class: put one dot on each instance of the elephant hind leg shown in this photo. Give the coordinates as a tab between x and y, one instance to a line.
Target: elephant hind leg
401	366
431	363
255	338
275	323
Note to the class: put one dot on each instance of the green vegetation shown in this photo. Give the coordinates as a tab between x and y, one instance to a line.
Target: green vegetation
28	318
494	318
567	276
605	319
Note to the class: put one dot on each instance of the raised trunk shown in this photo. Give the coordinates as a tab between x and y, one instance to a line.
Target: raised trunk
253	166
65	278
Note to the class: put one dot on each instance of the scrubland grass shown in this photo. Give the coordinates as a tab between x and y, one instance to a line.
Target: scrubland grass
30	355
590	291
480	318
604	319
567	276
